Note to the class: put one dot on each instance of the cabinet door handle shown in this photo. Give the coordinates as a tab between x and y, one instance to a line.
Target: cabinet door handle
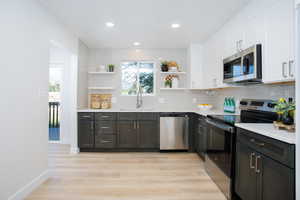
251	161
291	62
257	170
104	127
138	125
283	69
134	124
105	116
106	141
85	116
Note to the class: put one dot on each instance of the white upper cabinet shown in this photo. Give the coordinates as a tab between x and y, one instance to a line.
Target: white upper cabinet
270	23
279	52
195	62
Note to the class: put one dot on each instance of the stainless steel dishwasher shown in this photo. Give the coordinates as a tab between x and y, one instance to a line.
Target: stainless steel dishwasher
174	131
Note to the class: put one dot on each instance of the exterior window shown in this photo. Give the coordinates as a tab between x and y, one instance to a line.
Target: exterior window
138	74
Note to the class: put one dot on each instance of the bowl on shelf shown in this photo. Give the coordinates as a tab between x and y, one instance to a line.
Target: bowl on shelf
205	107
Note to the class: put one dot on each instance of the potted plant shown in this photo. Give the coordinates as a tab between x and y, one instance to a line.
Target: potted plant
111	68
164	66
285	111
168	81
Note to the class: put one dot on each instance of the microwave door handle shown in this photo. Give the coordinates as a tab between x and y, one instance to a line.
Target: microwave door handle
283	69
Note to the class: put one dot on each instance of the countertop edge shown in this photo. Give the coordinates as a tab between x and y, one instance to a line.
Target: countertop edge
270	131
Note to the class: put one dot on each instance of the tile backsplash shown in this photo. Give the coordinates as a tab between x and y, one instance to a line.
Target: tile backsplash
273	92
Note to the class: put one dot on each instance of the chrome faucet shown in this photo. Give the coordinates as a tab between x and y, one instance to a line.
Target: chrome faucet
139	97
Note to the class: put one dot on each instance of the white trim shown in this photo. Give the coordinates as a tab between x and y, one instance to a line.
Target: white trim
297	63
74	150
27	189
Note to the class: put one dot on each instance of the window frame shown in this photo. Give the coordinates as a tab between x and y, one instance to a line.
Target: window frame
138	64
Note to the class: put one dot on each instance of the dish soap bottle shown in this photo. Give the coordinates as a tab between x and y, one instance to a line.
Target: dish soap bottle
225	104
233	105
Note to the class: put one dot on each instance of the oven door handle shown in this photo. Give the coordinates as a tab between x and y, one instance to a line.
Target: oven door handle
220	125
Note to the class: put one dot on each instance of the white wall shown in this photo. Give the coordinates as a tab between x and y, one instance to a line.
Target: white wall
173	99
26	31
83	53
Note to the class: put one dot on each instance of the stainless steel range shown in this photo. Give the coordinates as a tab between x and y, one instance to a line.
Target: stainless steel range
221	140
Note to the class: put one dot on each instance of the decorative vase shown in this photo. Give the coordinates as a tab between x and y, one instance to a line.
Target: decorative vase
168	84
164	68
287	119
111	68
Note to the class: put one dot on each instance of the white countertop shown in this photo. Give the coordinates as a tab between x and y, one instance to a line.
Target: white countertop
197	111
270	131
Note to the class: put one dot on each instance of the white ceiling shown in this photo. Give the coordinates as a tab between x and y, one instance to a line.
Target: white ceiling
145	21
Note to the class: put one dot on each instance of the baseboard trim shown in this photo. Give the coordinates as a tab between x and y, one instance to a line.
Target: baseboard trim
74	150
27	189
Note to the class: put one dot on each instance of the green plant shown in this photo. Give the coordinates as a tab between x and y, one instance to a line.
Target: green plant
285	108
111	67
164	63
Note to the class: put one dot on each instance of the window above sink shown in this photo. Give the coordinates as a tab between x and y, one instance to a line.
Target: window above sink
137	74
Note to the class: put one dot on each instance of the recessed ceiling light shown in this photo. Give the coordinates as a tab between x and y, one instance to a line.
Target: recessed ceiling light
136	44
175	25
109	24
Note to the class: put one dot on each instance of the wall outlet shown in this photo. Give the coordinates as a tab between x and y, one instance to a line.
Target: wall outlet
194	100
161	100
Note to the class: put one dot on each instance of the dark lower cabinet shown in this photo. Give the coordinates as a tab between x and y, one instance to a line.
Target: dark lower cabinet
199	132
105	141
245	182
148	136
275	181
260	170
118	131
127	134
86	137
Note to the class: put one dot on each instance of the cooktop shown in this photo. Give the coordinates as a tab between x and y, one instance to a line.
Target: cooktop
229	119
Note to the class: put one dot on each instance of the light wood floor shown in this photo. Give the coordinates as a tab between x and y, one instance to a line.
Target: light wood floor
125	176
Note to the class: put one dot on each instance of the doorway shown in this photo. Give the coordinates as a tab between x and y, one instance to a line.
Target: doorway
62	95
55	82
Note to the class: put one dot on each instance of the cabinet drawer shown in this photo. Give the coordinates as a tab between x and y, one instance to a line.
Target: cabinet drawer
147	116
85	116
275	149
105	141
125	116
105	116
105	127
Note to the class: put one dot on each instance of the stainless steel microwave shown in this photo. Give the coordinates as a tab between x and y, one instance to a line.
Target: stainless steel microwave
245	66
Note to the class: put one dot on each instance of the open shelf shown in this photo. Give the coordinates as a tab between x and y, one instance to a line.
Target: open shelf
104	73
170	73
100	88
173	88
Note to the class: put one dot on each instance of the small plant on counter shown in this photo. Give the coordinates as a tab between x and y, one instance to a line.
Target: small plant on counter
285	111
111	68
